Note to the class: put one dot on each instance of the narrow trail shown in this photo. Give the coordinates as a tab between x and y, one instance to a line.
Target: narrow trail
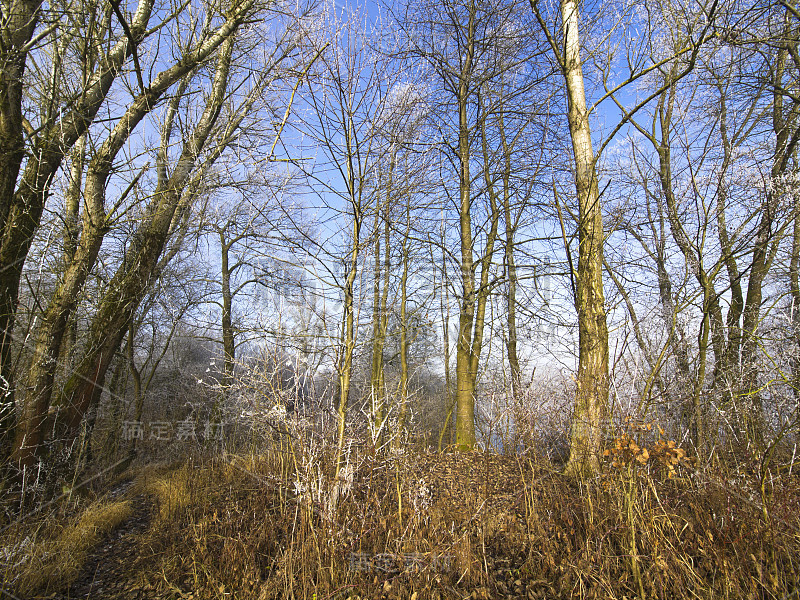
110	571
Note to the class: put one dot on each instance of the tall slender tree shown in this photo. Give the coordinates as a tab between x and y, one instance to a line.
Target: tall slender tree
592	379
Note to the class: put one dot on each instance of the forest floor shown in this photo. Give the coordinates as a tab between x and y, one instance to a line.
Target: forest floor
418	525
110	570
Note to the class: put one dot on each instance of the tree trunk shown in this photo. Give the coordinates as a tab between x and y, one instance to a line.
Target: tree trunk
712	326
380	301
465	383
794	290
21	208
72	205
404	343
50	333
592	381
511	271
228	342
129	284
21	18
54	323
348	336
345	366
768	237
450	399
728	363
376	371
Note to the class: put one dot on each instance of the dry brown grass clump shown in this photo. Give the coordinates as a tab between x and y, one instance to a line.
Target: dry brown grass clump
50	556
418	525
170	486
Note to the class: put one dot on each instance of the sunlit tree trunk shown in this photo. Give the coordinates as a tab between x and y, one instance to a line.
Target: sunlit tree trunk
348	342
510	263
23	193
228	341
402	411
475	292
465	383
72	204
20	19
472	318
53	325
794	290
592	381
786	127
449	397
376	368
712	323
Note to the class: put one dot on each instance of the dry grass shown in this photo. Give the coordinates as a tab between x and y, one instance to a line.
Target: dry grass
417	525
170	486
51	557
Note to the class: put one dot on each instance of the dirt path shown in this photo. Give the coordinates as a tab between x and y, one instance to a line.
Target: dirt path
110	571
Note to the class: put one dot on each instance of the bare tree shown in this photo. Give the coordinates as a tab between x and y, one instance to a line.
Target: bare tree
468	48
592	379
163	221
36	138
340	116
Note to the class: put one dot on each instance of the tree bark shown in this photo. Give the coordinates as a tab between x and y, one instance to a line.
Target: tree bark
50	333
786	127
228	341
511	269
380	301
21	208
591	403
345	363
402	412
465	383
21	19
131	281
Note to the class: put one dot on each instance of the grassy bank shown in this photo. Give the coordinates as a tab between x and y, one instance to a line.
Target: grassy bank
416	525
273	523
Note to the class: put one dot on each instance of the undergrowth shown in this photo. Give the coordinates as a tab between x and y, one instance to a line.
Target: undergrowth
48	555
273	523
419	525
